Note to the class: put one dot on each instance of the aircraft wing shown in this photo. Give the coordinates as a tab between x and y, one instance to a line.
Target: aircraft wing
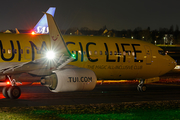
58	46
41	66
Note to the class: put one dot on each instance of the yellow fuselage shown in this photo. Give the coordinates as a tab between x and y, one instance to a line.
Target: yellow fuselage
109	57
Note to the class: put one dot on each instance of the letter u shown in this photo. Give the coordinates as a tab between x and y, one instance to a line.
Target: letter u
12	51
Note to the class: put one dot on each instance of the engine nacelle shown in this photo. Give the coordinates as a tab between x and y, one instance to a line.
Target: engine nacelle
73	79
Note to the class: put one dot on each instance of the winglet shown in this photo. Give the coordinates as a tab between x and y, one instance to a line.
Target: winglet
57	42
17	31
42	26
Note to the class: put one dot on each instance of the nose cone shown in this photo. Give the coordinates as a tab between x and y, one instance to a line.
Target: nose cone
172	64
166	64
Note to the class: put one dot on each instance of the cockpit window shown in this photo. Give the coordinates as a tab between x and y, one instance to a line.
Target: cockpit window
161	52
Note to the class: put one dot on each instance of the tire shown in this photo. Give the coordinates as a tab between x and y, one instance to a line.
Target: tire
4	91
143	88
14	92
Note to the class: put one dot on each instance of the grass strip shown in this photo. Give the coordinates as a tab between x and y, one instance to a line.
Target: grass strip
126	110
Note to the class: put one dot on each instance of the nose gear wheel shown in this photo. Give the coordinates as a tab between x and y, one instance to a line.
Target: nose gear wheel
141	87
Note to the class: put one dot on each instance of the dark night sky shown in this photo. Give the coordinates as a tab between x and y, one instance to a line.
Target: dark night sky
94	14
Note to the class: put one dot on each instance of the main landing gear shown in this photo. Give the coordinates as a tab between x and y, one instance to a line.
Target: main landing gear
12	91
141	87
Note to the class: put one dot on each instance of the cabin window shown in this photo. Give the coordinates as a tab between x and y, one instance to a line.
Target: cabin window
15	51
74	52
27	51
133	54
79	52
3	51
9	51
124	53
129	53
115	53
100	52
21	51
90	53
110	52
84	52
95	52
120	53
106	53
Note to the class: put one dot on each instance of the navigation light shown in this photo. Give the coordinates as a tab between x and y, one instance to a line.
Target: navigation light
74	56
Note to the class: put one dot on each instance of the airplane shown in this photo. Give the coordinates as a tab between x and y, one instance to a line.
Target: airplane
75	63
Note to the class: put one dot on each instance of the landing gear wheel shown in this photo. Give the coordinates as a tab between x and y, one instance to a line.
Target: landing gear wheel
14	92
141	88
4	91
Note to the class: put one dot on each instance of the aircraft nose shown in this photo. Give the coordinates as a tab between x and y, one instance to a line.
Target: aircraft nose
167	65
172	63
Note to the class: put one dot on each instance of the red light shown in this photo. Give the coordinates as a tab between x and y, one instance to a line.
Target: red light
7	82
33	33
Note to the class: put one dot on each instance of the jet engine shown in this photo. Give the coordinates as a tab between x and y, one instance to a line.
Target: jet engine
73	79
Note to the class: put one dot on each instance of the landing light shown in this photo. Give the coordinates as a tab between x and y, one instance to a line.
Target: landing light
50	55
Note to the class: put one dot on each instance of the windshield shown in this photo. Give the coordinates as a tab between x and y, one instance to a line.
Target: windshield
161	52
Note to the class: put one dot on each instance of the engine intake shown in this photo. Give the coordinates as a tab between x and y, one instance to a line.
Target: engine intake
74	79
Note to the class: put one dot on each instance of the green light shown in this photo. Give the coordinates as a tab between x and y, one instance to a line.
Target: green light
74	56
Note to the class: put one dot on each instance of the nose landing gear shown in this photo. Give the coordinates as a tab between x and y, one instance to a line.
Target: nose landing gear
141	87
12	91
